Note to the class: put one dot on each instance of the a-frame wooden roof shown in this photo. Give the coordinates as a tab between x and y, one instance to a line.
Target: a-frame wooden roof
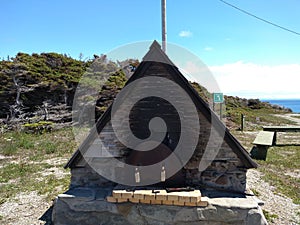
156	55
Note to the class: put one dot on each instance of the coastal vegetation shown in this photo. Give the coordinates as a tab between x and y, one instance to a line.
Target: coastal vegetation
36	138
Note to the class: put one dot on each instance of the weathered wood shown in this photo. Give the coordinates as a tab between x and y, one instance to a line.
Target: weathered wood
156	202
192	198
203	202
264	138
282	128
167	202
259	152
263	141
159	197
111	199
162	195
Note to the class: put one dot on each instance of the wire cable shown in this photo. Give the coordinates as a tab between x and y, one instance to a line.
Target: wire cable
259	18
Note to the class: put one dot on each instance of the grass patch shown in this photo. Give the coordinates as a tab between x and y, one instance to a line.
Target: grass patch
24	154
280	168
17	170
280	161
255	119
255	192
11	143
270	216
21	177
37	146
49	186
52	186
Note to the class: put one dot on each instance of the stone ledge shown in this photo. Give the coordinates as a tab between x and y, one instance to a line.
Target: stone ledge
242	203
84	207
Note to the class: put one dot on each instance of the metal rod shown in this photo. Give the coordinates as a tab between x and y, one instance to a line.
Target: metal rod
164	25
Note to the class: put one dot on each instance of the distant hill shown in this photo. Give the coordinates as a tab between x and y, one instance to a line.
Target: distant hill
41	87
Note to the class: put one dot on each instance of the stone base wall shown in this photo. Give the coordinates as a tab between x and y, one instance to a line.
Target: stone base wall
87	177
213	177
225	171
89	207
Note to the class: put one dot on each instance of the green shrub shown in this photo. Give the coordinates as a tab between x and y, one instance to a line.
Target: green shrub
39	127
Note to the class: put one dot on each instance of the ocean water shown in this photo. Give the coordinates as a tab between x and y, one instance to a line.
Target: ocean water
293	104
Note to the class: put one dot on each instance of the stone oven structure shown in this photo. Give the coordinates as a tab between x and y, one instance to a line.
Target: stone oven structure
86	201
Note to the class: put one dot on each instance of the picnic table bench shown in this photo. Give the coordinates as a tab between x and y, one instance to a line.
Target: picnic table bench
267	138
263	141
276	129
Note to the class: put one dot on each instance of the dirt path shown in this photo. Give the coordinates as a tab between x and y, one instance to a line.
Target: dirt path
291	117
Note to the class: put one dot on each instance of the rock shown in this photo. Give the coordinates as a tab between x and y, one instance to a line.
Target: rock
255	216
84	208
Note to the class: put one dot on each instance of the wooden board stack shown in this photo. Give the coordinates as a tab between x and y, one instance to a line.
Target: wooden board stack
159	197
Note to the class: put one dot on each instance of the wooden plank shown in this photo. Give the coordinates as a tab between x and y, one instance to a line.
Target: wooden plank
111	199
149	195
162	195
181	198
139	194
127	194
173	196
156	202
178	203
134	200
120	200
117	193
167	202
195	196
190	203
264	138
144	201
282	128
203	202
184	197
122	194
144	195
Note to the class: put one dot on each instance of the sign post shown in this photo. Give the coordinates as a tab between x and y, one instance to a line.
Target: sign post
218	98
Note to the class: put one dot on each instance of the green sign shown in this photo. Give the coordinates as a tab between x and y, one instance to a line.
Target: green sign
218	97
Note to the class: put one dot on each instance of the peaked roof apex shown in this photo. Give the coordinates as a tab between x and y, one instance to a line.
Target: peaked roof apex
156	54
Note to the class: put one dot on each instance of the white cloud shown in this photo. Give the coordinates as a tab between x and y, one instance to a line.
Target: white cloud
208	49
196	71
185	33
258	81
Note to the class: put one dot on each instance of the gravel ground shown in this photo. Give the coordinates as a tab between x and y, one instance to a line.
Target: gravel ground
27	208
24	209
288	213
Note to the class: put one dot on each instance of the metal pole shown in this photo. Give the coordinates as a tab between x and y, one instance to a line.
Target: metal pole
242	122
221	105
164	26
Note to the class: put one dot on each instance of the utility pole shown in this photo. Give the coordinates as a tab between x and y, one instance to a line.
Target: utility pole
164	25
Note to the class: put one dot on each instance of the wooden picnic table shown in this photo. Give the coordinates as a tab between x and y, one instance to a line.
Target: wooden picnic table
267	138
264	138
276	129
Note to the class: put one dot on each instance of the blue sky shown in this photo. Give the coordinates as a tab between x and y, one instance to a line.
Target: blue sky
235	46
